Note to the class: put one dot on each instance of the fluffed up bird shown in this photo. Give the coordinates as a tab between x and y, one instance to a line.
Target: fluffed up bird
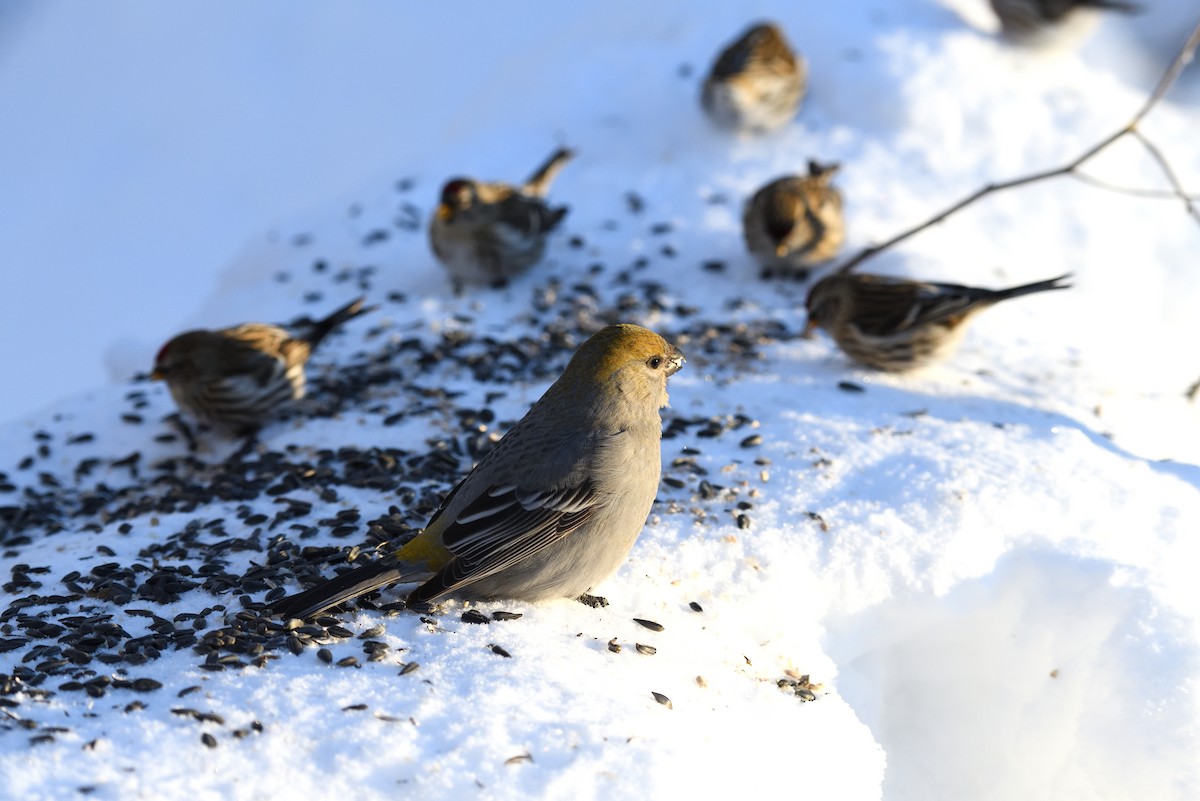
795	222
1052	21
237	379
555	507
898	324
488	232
756	84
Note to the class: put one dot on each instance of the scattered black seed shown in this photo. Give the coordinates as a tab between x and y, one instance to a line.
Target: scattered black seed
501	614
650	624
850	386
752	441
325	655
374	631
349	661
187	691
475	616
648	650
208	740
496	649
695	607
614	646
409	667
354	708
819	520
743	521
662	699
671	481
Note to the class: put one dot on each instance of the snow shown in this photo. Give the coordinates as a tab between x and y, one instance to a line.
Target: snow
987	567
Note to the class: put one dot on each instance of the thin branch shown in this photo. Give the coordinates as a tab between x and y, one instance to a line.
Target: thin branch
1135	191
1165	165
1169	77
1193	390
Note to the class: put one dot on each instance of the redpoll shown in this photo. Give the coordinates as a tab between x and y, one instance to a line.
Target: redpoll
488	232
236	379
1040	21
554	508
795	222
757	83
897	324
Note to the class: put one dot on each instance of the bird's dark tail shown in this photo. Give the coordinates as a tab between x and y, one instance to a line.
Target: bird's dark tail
539	183
1029	289
352	584
1113	5
320	329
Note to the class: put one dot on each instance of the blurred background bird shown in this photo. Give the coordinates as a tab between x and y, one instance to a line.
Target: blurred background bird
757	83
239	378
795	222
489	232
555	507
1046	22
898	324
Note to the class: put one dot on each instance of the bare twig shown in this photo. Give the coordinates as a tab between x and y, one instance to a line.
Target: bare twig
1193	390
1169	77
1135	191
1165	165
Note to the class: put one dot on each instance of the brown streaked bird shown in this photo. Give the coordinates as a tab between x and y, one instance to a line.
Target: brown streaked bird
1045	21
239	378
488	232
897	324
555	507
795	222
756	83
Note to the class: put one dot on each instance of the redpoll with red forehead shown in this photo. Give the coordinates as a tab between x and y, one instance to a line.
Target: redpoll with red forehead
554	508
757	83
897	324
488	232
239	378
795	222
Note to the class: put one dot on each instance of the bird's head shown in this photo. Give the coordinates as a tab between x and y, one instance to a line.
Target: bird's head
458	195
625	362
824	302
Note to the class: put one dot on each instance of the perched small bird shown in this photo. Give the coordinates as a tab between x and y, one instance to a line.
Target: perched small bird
489	232
897	324
1046	21
554	508
795	222
757	83
237	379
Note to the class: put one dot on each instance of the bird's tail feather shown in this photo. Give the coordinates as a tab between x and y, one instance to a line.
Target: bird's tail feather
321	328
1029	289
352	584
539	183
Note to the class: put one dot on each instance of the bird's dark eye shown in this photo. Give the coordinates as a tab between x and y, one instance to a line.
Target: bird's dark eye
655	362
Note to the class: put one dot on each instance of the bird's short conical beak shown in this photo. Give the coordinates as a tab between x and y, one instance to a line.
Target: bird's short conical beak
810	328
781	250
443	211
675	362
157	375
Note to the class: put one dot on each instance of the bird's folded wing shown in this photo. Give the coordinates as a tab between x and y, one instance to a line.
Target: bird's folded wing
889	309
507	524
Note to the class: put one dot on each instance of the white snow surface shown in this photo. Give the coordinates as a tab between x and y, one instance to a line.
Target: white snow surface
988	567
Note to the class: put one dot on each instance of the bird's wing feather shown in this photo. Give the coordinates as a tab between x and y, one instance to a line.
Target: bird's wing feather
507	524
890	308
